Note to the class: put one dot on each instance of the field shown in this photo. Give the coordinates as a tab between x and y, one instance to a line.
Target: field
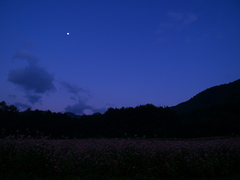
142	159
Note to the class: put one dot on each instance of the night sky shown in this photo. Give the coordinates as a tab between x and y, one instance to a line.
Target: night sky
84	56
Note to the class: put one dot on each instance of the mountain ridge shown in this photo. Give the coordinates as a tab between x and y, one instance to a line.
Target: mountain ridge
220	94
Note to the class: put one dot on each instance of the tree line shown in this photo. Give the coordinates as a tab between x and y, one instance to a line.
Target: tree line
144	121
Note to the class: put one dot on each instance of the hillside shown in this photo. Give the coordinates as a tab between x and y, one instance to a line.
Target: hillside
214	111
214	96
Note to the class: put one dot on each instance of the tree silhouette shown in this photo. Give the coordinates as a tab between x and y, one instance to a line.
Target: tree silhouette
197	117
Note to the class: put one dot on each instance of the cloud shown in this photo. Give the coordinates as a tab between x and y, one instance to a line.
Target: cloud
176	20
175	15
184	18
73	89
81	108
164	26
25	55
78	108
100	110
21	106
32	78
34	98
190	18
82	96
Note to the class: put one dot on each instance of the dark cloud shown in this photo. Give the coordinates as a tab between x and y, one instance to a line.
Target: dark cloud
34	98
82	95
25	55
73	89
99	110
32	78
21	106
78	108
81	107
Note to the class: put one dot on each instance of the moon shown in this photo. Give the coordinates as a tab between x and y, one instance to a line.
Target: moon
68	33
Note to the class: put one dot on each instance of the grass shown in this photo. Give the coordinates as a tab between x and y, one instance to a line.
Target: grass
119	159
27	177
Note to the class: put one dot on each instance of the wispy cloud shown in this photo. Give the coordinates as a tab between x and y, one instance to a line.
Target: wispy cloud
81	96
176	15
164	26
190	18
183	18
72	88
176	20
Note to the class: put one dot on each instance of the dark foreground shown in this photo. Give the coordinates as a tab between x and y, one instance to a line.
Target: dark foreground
119	159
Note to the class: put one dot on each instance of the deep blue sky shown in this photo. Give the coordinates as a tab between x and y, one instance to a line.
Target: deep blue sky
119	53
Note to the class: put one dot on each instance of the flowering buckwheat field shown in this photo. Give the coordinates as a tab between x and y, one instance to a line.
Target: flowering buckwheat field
101	158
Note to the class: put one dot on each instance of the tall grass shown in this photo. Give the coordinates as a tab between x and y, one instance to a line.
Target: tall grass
120	158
